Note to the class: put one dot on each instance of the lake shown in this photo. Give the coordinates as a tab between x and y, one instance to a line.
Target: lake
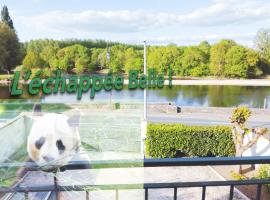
195	95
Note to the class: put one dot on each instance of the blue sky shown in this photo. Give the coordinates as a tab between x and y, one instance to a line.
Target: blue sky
183	22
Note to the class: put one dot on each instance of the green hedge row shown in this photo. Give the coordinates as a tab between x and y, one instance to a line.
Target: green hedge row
163	140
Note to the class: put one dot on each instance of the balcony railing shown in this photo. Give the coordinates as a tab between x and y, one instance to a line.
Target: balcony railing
168	162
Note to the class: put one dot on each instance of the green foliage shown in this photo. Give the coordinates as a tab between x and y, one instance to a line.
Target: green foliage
224	59
163	140
32	60
241	63
49	52
164	57
195	62
133	60
41	73
237	176
117	58
4	77
217	56
263	173
240	115
199	71
116	106
76	57
98	59
5	18
10	51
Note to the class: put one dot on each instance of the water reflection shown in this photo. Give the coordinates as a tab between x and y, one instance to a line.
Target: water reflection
202	95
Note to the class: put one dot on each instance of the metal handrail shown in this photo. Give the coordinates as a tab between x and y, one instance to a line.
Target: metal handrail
167	162
160	162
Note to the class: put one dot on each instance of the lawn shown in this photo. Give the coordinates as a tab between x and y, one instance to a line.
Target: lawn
4	77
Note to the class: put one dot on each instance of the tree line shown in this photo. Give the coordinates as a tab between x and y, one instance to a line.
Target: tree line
225	58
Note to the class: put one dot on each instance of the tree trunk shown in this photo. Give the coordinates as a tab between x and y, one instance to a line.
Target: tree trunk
239	153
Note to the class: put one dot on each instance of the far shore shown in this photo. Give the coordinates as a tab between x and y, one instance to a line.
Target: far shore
231	82
236	82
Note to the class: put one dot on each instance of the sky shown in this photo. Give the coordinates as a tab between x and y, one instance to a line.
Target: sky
159	22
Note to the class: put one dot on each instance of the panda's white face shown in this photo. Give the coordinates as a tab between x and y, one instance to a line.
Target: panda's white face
53	140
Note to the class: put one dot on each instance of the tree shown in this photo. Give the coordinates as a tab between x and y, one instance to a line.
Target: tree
241	62
255	63
195	62
239	117
94	59
262	43
32	60
133	60
205	47
10	51
48	52
217	56
73	58
117	58
163	58
5	18
236	65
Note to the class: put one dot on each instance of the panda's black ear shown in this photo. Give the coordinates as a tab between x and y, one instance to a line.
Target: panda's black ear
74	118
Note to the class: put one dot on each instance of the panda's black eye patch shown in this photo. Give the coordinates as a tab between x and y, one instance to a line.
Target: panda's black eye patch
61	147
40	142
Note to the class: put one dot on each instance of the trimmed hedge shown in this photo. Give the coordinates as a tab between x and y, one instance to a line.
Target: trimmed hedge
163	140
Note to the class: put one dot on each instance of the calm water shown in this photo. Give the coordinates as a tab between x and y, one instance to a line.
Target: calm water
217	96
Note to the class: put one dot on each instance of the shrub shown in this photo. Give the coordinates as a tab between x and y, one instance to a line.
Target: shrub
240	115
237	176
263	173
163	140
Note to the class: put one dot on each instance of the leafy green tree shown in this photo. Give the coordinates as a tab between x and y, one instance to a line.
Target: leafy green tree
195	62
45	52
5	18
32	60
117	58
162	58
48	53
254	61
205	47
217	56
235	63
133	60
10	51
241	62
200	70
99	59
225	58
73	58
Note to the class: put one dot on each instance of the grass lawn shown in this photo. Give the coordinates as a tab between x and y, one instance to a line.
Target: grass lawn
6	77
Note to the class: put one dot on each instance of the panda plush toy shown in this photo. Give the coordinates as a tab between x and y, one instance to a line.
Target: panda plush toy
54	140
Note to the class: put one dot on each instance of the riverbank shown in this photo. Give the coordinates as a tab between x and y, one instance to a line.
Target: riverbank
232	82
236	82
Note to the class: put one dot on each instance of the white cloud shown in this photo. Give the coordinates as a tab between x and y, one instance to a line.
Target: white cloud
219	13
234	19
243	38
